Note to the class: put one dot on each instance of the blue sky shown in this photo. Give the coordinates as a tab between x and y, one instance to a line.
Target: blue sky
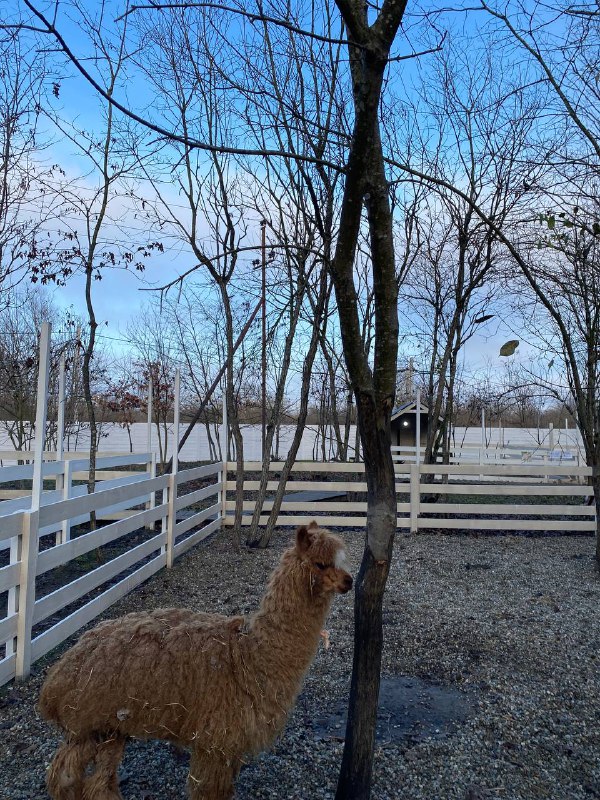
117	297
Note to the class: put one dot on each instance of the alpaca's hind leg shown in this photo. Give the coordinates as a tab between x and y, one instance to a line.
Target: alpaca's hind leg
103	783
66	773
211	776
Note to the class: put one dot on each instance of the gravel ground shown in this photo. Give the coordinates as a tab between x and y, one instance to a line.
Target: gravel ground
511	622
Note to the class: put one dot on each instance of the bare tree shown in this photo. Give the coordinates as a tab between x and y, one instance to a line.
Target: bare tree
481	143
23	202
563	315
211	224
562	42
20	322
199	334
154	356
87	239
365	203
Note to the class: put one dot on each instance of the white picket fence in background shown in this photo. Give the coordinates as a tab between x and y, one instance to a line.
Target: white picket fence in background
517	487
500	454
506	443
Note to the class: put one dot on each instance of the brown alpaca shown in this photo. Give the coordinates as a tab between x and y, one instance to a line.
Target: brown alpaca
220	686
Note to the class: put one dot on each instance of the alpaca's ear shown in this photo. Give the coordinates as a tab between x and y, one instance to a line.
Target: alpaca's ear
303	538
313	526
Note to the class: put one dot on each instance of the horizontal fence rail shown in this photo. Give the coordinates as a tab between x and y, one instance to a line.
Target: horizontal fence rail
67	479
497	497
498	454
50	588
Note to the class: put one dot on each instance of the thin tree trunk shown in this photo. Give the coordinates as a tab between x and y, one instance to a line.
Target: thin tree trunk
596	485
87	391
318	315
211	444
374	390
89	273
253	539
356	770
233	417
201	408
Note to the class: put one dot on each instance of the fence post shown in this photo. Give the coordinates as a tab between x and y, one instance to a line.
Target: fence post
13	592
482	449
548	458
151	469
60	435
224	457
172	512
418	427
152	463
60	420
65	533
29	544
26	598
41	409
149	421
415	496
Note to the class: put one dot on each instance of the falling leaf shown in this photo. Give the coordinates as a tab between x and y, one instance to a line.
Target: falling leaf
485	318
508	348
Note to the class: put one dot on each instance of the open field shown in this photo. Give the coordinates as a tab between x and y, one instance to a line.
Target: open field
511	624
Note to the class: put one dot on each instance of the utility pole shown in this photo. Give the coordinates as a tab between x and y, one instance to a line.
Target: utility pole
75	381
263	226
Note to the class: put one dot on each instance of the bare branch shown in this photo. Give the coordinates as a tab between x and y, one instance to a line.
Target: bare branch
170	135
552	80
282	23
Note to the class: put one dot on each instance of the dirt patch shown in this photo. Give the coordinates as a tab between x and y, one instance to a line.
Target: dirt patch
410	710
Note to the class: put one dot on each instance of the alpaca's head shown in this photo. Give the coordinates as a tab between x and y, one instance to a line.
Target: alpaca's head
324	555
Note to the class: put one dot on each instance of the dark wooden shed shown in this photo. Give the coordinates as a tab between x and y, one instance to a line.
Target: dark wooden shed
404	424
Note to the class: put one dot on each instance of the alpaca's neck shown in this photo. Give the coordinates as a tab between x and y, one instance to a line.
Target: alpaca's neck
288	623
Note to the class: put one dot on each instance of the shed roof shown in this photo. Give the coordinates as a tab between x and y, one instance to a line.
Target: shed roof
408	408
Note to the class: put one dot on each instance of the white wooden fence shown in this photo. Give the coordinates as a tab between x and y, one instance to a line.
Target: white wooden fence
69	478
499	497
27	631
497	453
39	616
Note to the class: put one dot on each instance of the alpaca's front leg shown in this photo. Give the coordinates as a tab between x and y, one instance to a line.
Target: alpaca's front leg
212	776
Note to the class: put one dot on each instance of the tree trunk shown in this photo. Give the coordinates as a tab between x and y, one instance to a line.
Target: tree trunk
238	440
233	417
254	538
375	391
87	391
355	775
596	484
211	445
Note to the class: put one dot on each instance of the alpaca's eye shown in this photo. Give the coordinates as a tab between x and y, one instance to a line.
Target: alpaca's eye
320	565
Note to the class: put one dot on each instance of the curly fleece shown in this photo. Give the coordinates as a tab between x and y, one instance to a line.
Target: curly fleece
220	686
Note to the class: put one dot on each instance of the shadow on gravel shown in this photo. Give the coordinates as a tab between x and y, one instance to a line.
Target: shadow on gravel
410	710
